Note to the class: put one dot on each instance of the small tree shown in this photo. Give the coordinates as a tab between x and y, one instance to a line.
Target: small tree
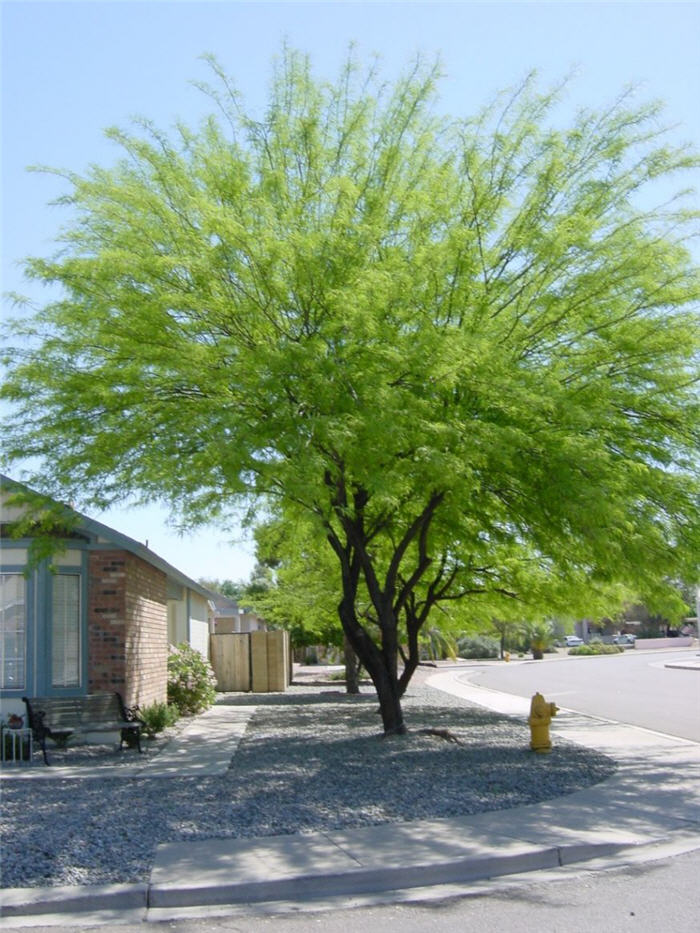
439	645
539	637
504	629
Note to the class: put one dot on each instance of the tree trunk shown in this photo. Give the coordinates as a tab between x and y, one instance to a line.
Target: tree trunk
410	663
386	684
389	694
352	684
388	599
390	706
408	672
381	667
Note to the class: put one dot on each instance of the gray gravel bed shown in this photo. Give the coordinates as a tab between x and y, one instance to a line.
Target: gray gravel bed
310	760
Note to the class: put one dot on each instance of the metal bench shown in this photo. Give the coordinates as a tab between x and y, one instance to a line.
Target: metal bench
58	718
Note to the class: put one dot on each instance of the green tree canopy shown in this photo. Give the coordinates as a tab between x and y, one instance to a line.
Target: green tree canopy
306	589
232	589
464	349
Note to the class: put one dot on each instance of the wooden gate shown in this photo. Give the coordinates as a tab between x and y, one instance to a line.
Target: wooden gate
252	661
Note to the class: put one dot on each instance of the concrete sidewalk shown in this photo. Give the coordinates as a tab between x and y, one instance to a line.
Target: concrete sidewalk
649	809
202	747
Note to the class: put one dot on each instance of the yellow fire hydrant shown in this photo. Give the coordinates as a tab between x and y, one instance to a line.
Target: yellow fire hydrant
541	713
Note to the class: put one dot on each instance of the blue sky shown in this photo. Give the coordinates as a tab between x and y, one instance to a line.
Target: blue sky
71	69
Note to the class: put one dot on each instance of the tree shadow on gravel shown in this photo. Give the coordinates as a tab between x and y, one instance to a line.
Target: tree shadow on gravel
307	698
303	769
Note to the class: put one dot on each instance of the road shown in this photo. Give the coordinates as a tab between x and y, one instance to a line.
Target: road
646	898
635	687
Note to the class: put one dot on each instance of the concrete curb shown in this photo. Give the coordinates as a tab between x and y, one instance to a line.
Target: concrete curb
76	899
364	881
22	902
58	912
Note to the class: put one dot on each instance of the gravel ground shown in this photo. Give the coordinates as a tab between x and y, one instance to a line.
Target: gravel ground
310	760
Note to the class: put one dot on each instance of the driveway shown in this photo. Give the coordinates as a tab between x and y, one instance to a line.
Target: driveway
635	687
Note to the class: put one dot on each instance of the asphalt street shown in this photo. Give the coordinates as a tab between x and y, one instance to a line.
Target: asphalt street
636	687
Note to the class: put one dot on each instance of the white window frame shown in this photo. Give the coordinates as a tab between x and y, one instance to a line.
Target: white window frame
9	626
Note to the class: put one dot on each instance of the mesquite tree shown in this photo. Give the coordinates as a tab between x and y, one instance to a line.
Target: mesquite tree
465	349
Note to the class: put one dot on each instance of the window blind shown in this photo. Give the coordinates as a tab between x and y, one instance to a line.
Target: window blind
65	630
13	631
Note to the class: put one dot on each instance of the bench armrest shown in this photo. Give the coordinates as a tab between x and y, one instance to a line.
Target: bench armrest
131	714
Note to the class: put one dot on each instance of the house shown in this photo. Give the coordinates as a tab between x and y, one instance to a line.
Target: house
251	621
227	616
99	619
230	618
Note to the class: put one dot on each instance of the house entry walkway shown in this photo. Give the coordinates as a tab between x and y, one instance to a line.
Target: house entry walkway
200	748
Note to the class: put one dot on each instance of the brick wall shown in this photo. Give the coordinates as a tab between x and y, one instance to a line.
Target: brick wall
127	627
146	633
107	621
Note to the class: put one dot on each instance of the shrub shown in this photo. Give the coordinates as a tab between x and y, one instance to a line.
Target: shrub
596	648
477	646
191	681
158	716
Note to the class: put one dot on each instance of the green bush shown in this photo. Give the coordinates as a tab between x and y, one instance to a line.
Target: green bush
191	681
477	646
596	648
158	716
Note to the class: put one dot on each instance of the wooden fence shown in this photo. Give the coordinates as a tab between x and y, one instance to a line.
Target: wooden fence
257	662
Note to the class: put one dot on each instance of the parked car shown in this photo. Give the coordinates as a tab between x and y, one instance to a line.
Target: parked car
572	641
624	639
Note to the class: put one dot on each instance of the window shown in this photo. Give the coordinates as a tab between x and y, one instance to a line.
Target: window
65	630
13	631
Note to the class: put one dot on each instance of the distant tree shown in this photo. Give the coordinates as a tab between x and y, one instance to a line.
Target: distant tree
660	615
505	629
304	595
233	589
466	351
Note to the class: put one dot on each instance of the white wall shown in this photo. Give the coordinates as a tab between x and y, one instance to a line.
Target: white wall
199	623
251	622
681	641
177	621
199	637
189	614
